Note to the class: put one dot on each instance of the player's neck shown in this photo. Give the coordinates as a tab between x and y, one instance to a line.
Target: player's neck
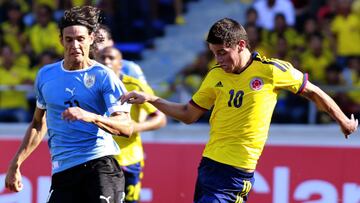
77	65
245	61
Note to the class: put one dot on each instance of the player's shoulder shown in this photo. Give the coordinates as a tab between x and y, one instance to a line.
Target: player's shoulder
133	83
50	68
271	63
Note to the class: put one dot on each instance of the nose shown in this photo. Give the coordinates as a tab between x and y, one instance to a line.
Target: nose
75	43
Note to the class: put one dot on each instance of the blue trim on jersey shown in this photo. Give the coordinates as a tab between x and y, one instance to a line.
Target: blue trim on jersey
95	89
303	85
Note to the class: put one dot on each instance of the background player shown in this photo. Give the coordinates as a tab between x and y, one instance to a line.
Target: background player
131	158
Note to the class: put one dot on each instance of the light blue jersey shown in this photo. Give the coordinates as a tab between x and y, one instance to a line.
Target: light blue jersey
95	89
132	69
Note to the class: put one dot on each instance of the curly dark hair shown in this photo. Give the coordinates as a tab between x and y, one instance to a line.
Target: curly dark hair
227	32
87	16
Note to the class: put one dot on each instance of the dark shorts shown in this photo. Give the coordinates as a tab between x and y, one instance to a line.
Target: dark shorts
221	183
133	175
96	181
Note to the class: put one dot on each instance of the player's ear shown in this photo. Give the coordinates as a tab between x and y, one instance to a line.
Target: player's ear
242	45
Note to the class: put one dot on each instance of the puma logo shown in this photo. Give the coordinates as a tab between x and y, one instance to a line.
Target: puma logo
107	199
71	91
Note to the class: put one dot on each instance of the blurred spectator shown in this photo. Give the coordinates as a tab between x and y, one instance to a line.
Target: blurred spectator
13	28
281	29
356	7
354	82
327	10
346	28
43	35
255	39
13	105
267	10
338	92
316	59
251	16
302	11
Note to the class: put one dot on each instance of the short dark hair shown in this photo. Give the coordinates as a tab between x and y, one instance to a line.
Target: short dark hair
87	16
107	31
227	32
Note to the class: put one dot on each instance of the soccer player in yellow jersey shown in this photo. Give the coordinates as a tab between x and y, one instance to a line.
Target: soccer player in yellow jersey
242	90
131	157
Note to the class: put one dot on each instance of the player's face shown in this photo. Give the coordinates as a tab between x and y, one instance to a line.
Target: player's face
111	58
227	57
76	41
104	40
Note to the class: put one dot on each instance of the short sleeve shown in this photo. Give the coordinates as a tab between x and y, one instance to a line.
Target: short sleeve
40	102
205	96
287	77
113	89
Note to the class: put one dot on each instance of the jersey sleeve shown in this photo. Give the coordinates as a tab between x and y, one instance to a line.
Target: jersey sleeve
113	90
40	102
147	106
285	76
205	96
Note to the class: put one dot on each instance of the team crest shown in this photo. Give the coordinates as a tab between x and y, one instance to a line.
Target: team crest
89	80
256	84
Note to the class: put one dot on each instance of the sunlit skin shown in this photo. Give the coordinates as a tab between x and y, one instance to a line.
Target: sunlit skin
76	41
111	57
231	59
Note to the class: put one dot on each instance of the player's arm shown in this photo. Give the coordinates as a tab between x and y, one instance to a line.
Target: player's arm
33	136
325	103
186	113
153	121
119	123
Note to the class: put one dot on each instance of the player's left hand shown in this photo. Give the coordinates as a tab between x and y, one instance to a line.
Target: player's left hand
350	126
134	97
77	113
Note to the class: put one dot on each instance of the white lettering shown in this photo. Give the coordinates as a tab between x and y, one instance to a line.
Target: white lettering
351	192
261	185
326	190
44	183
281	185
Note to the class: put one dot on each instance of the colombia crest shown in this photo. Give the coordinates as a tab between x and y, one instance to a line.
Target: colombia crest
256	84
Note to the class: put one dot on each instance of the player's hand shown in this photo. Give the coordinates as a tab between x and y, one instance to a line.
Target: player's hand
13	180
350	126
134	97
77	113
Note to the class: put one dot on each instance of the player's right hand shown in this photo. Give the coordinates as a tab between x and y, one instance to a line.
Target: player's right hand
13	180
350	127
134	97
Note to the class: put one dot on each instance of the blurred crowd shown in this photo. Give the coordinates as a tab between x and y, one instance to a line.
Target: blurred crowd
321	38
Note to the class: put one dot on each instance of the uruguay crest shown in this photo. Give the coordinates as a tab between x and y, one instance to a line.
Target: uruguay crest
256	84
89	80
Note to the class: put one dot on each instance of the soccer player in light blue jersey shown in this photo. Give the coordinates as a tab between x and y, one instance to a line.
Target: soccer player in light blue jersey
74	96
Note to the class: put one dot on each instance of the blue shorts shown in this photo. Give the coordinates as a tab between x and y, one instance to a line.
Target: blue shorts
221	183
133	175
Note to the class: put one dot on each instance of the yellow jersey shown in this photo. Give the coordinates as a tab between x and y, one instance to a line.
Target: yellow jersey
131	148
242	108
